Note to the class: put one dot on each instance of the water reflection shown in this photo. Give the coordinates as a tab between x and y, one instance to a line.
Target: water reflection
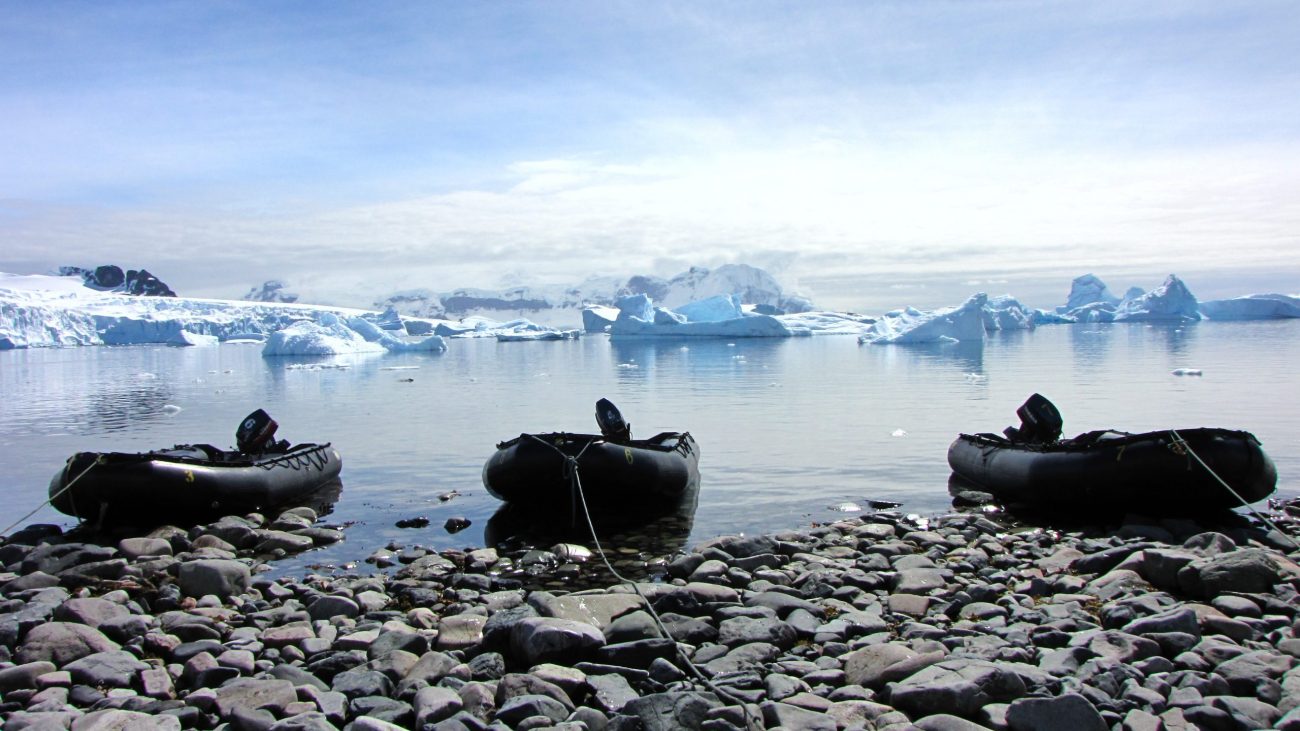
735	360
966	356
1090	343
126	404
639	529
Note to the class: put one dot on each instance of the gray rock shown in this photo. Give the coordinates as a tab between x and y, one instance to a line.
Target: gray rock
90	611
120	720
435	704
1243	672
745	630
254	693
221	577
1247	712
1245	570
610	693
671	711
460	632
519	684
786	716
62	642
111	669
362	681
1175	619
875	665
525	706
309	721
22	677
956	687
330	606
547	639
134	548
945	722
1069	710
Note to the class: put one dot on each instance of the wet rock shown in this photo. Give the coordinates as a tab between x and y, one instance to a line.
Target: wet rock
62	643
1069	710
957	687
547	639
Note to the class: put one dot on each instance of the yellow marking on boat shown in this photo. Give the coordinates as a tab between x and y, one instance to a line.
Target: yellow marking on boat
627	452
189	475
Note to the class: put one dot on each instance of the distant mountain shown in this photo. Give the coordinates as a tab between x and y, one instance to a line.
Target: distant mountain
272	290
111	278
755	287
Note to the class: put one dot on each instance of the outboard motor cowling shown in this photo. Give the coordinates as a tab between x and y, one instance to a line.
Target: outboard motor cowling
256	432
1040	422
612	425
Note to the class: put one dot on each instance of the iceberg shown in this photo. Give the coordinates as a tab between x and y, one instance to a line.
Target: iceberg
638	317
1006	313
1086	290
1170	302
827	323
598	318
533	335
909	326
1252	307
328	337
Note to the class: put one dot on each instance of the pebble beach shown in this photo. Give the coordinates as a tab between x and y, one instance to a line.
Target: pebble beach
955	622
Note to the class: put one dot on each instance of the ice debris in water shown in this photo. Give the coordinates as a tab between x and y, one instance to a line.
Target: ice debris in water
1187	372
171	409
847	508
899	433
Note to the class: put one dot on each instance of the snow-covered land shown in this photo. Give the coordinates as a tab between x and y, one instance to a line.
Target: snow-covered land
46	311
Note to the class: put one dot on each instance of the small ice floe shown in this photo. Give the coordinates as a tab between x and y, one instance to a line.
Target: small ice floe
738	357
317	366
975	377
898	433
171	409
1187	372
683	348
847	508
731	345
400	368
628	366
146	376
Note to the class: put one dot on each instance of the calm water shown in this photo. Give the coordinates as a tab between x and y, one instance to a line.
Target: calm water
788	429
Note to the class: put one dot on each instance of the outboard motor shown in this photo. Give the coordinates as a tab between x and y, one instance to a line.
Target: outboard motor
256	433
1040	422
612	425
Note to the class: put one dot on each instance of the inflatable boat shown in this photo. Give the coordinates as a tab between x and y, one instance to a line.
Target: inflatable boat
615	471
1169	472
192	482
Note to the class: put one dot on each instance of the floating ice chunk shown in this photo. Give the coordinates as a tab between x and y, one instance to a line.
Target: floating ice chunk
962	323
1170	302
1253	307
375	334
515	337
849	507
898	433
171	409
327	337
1187	372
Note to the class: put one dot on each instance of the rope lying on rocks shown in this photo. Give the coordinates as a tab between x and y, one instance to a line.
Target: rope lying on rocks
1182	444
98	460
575	483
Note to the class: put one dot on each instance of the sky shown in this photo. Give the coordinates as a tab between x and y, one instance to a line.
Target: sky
868	154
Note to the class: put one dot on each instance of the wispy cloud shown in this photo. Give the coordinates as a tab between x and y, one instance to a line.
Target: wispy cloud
441	144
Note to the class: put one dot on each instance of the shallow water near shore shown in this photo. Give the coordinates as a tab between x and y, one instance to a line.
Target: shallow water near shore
791	431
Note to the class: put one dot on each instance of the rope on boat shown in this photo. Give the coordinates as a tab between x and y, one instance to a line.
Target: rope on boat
98	460
1181	444
575	482
314	457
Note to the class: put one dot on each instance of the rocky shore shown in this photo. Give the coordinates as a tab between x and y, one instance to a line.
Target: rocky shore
952	623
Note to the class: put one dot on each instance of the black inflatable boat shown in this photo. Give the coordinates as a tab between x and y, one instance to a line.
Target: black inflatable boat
1159	472
616	471
191	482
